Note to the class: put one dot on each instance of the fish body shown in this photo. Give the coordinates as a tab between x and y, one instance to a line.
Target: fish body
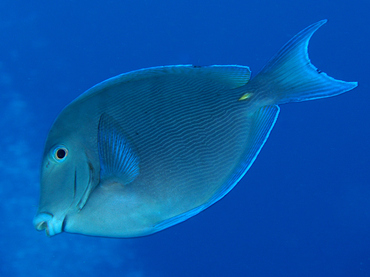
148	149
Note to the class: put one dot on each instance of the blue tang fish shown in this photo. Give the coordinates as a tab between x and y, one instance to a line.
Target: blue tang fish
148	149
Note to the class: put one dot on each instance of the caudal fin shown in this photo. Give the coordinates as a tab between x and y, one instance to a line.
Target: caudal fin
291	77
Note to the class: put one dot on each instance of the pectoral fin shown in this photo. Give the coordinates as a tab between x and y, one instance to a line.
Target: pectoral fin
118	160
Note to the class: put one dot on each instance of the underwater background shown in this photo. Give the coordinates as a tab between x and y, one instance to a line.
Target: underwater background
303	209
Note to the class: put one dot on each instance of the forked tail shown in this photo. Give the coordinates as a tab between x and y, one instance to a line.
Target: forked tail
290	77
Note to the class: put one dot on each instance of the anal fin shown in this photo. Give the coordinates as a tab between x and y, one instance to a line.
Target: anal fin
261	124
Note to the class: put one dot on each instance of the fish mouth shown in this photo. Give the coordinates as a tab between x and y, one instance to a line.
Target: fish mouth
48	222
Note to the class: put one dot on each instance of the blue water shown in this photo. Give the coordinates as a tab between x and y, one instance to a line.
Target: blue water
303	208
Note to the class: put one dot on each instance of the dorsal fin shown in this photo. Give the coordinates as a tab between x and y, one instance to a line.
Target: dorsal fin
231	76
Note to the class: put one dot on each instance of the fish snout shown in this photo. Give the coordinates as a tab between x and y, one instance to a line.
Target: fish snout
48	222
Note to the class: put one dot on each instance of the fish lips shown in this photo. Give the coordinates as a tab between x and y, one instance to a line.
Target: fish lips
48	222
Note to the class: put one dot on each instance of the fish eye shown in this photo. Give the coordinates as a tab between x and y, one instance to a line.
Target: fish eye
60	153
